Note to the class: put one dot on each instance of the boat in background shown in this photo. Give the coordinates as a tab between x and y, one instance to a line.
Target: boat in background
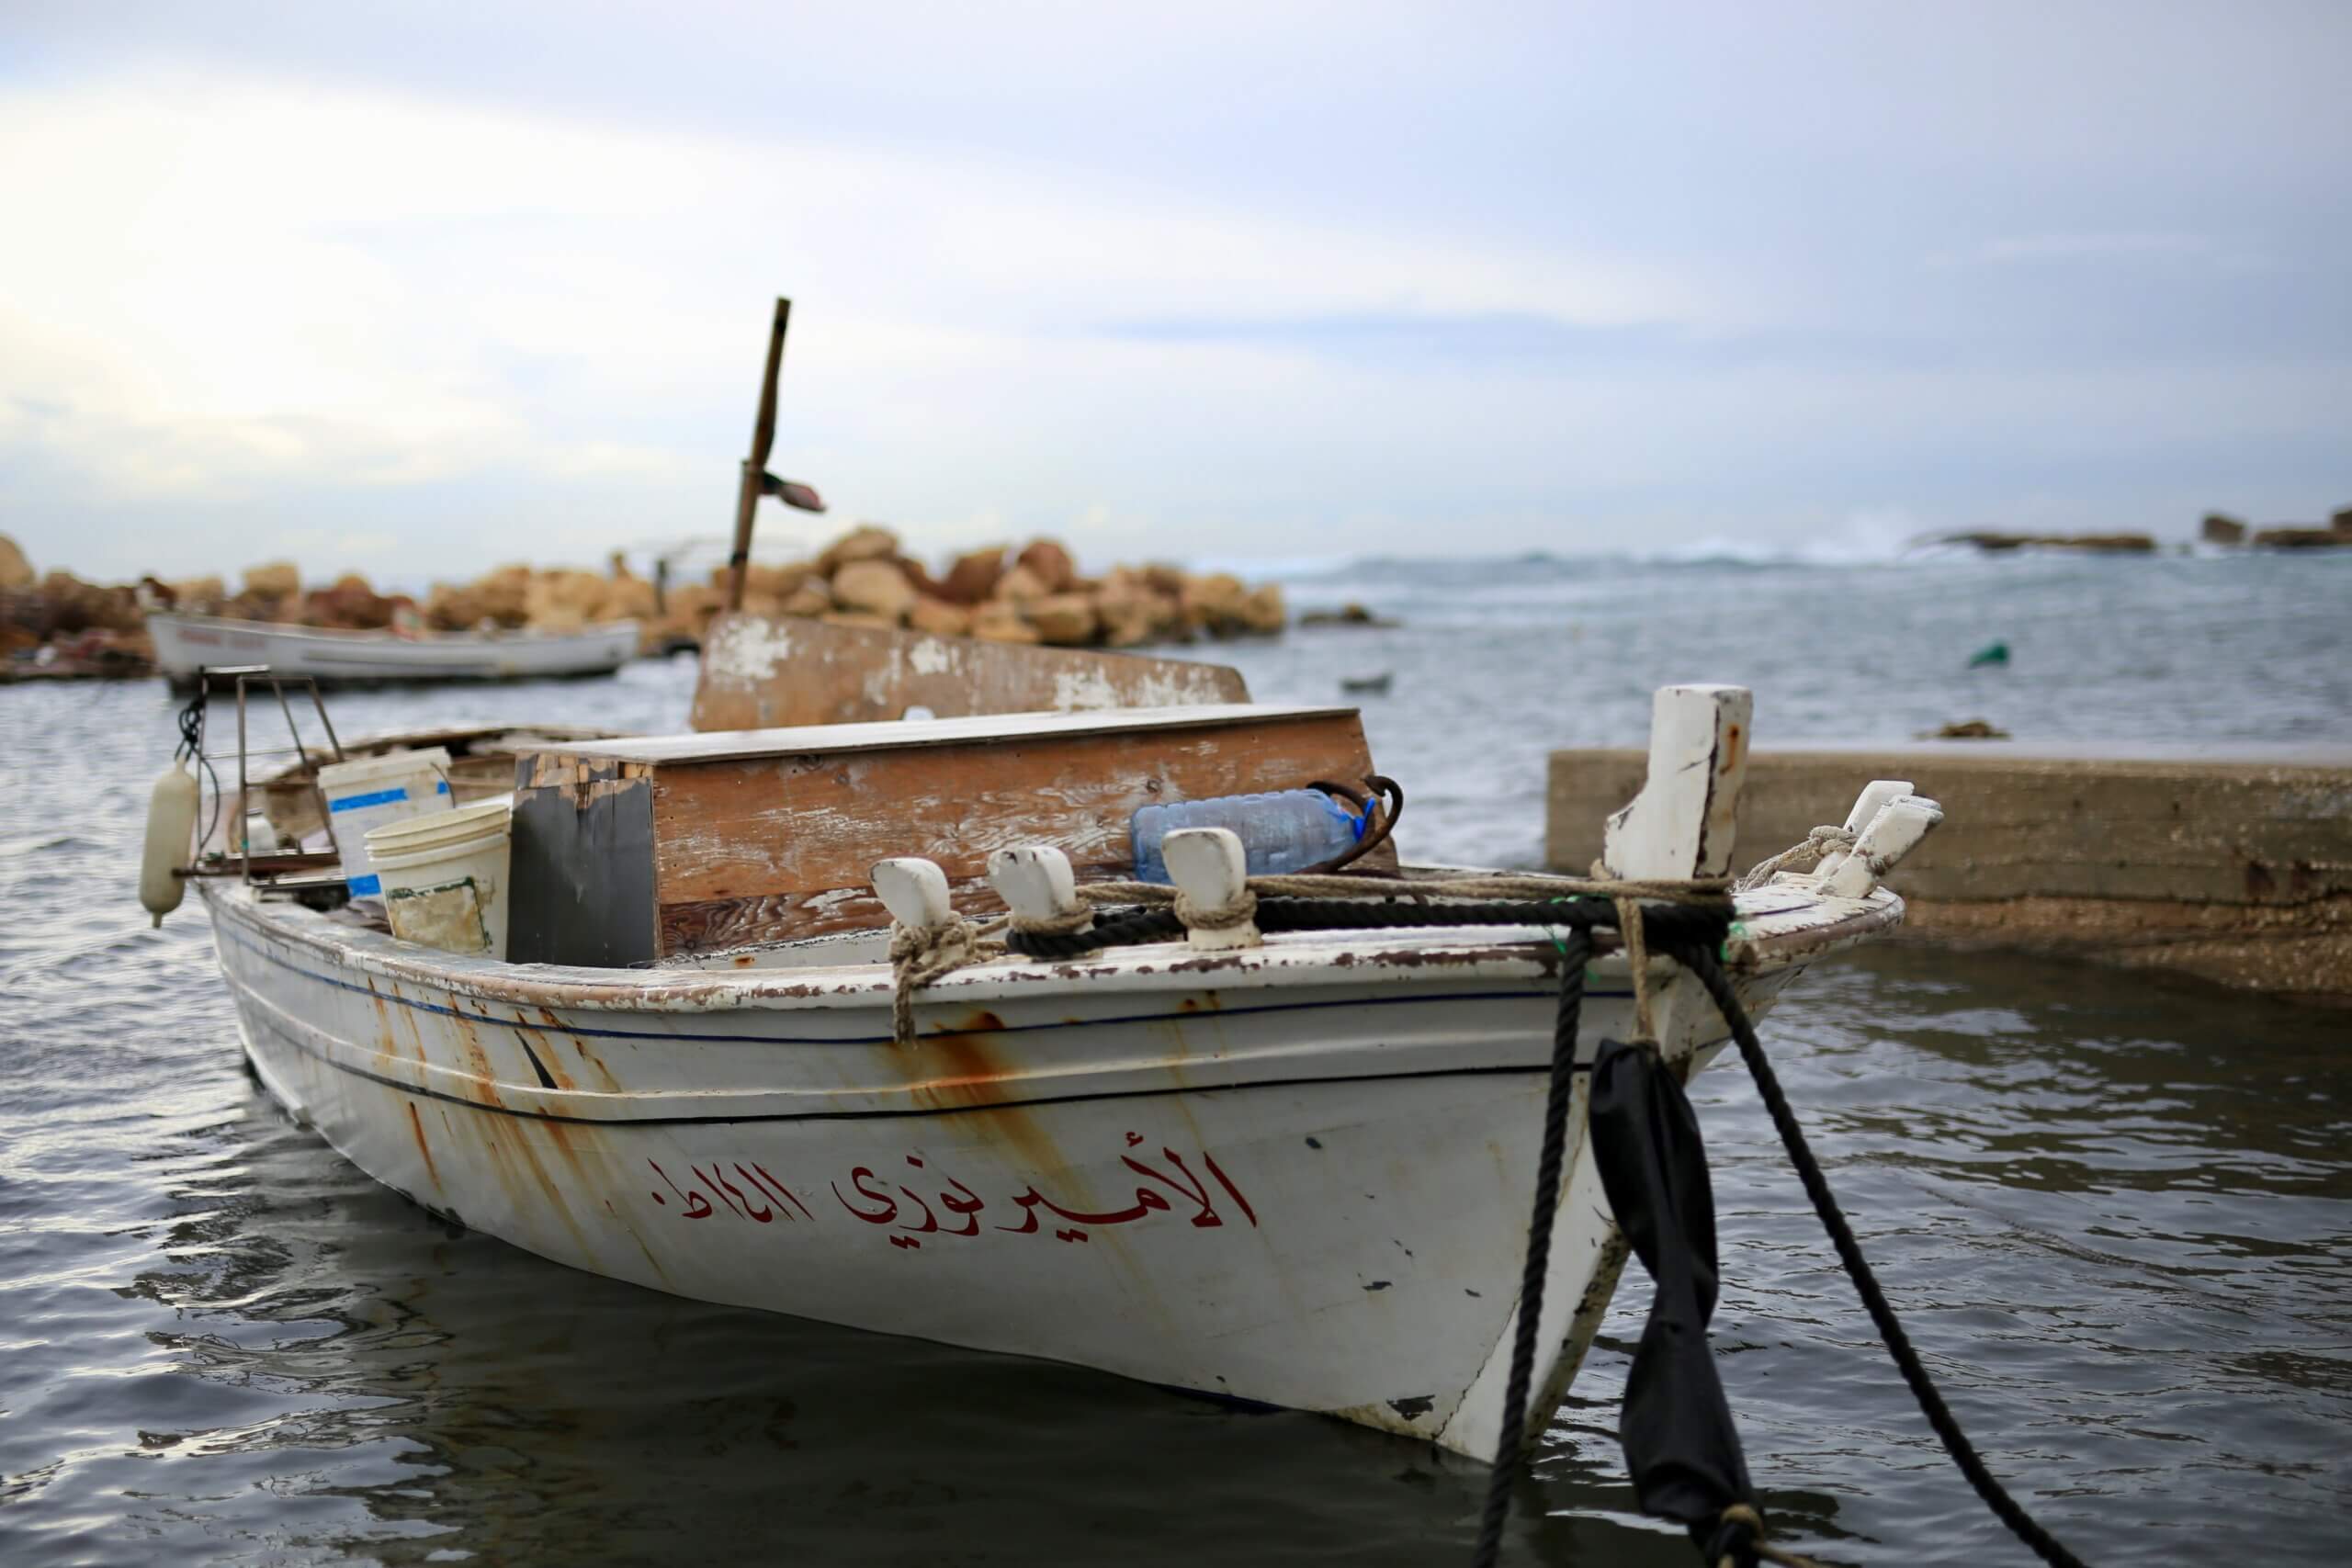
186	646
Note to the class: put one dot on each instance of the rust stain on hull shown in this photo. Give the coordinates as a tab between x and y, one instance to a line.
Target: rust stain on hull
417	1128
967	1075
588	1058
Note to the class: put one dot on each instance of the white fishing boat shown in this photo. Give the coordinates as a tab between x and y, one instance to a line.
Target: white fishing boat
1289	1168
186	645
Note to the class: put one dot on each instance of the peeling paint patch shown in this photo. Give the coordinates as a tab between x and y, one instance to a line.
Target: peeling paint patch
746	648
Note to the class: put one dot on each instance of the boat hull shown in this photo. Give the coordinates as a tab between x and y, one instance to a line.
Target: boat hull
185	644
1305	1187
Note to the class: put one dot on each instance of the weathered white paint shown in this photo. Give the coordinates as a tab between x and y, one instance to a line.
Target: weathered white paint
1375	1095
931	655
1212	871
1296	1172
915	892
1036	881
1894	832
184	644
1682	822
746	648
1088	690
834	739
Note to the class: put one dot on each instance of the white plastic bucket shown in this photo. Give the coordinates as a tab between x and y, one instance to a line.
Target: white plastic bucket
445	877
374	792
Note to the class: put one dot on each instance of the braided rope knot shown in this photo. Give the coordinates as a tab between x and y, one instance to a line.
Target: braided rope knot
1216	917
1742	1517
1068	923
1815	847
920	954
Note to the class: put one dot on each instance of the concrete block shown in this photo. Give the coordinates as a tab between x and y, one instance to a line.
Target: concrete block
2238	867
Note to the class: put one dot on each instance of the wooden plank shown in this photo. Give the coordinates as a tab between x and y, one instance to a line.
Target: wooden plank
760	849
763	671
671	750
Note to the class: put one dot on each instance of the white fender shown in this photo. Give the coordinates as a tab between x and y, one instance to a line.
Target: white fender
171	825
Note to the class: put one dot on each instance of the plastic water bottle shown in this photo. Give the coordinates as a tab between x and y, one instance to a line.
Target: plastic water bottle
1286	830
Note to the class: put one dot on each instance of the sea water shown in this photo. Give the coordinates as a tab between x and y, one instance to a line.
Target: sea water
2114	1208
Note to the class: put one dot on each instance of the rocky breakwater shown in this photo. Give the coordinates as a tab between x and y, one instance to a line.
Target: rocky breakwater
56	625
1033	594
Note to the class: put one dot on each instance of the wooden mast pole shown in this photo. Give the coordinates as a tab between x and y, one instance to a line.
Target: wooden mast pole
755	468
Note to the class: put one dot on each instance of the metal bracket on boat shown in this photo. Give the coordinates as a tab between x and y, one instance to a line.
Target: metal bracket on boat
914	891
1895	831
1037	884
1212	875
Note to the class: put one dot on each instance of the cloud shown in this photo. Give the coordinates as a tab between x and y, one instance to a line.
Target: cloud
246	286
497	286
2103	249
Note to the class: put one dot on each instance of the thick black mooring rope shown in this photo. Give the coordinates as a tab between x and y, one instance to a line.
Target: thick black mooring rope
1690	934
1665	926
1701	963
1576	951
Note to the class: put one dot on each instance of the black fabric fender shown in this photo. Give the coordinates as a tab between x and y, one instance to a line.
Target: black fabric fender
1680	1445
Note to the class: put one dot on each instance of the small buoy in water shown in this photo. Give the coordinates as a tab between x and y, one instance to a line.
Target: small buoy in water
1991	653
171	822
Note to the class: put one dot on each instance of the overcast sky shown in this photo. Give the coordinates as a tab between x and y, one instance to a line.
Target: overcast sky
467	282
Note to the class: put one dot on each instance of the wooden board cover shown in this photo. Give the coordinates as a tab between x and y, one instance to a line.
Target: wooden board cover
755	844
764	670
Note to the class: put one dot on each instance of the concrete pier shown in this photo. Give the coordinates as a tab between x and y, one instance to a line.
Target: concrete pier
2234	866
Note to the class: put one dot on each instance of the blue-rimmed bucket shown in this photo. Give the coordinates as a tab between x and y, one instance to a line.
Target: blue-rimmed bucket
375	791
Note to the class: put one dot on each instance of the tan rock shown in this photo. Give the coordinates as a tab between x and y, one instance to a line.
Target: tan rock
1066	620
938	617
198	595
448	607
2220	528
1165	579
562	600
627	598
505	594
1213	602
1263	611
857	618
811	598
1132	615
15	570
349	603
919	576
274	580
778	582
1020	585
70	605
864	542
1000	621
874	587
1052	564
973	577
